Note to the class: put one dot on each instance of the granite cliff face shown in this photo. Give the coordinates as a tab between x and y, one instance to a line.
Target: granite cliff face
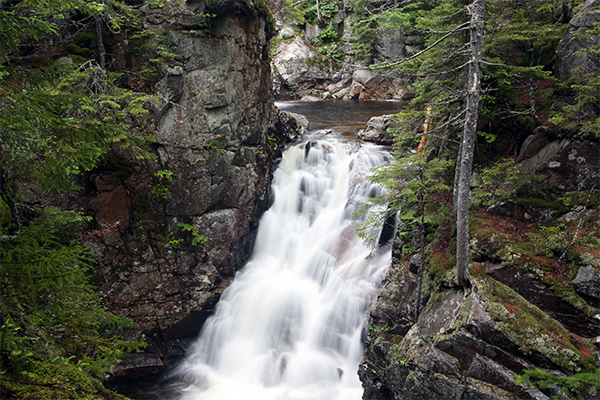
171	231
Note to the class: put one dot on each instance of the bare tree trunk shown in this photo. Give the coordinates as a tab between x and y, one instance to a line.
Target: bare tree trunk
477	10
566	13
100	42
456	179
421	200
319	11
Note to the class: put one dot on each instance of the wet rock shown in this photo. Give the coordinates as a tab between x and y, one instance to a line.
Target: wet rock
137	365
289	125
377	130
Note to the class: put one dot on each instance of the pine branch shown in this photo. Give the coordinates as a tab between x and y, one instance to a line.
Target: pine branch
440	40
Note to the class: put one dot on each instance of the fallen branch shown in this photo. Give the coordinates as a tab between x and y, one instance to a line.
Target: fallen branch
578	225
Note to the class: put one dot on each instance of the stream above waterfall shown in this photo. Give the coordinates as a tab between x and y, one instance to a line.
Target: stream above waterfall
342	117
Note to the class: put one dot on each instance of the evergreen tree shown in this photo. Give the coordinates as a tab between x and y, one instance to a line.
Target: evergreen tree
467	145
58	119
472	66
448	76
411	181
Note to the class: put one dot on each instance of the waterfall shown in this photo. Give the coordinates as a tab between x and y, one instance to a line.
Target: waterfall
292	323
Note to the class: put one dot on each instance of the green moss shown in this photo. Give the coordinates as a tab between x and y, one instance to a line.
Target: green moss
582	198
464	313
527	326
81	51
142	203
397	355
568	294
84	37
120	166
561	205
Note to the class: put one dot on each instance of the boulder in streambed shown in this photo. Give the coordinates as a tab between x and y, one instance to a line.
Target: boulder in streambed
378	130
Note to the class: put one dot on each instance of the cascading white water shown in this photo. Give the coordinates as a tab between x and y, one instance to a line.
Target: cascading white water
292	323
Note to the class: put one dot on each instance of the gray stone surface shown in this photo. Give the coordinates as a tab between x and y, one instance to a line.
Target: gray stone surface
573	61
466	344
377	130
211	129
587	282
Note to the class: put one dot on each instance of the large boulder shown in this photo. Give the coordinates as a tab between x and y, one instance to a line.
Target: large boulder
570	164
587	282
377	130
296	68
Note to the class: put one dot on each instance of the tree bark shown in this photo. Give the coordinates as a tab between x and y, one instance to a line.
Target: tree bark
566	12
100	42
319	11
477	11
456	179
421	200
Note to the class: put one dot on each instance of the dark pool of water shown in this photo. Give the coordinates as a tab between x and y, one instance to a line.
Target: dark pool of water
344	117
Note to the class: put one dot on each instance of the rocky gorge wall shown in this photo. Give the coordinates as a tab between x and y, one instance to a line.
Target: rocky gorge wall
171	231
300	71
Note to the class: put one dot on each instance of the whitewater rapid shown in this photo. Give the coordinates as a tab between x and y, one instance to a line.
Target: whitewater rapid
292	323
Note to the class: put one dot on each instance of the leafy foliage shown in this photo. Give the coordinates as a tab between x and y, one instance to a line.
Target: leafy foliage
411	181
581	114
310	10
50	312
502	182
327	36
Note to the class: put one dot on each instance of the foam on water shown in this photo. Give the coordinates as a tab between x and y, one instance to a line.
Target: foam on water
292	323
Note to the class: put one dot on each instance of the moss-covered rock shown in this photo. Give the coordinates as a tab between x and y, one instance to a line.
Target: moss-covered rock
520	314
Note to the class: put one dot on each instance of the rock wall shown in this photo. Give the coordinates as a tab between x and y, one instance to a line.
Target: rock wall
572	59
170	232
